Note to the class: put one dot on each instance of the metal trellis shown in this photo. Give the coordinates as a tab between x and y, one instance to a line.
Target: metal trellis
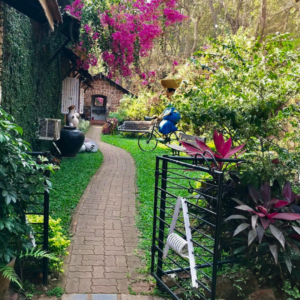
43	236
201	188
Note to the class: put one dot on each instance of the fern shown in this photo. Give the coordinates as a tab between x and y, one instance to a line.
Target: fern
38	254
10	274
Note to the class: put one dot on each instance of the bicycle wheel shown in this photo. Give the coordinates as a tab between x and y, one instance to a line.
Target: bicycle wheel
173	139
147	141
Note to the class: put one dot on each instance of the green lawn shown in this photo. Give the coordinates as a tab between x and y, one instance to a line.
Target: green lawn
145	167
69	183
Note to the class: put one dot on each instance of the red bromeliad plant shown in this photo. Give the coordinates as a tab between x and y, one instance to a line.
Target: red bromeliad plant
272	220
223	149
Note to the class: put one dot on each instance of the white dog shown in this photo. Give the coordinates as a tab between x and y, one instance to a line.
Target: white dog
72	116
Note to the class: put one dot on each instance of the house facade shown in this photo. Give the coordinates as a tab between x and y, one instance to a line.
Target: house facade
100	97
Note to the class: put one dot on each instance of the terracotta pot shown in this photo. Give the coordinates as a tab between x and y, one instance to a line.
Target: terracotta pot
4	282
171	83
70	142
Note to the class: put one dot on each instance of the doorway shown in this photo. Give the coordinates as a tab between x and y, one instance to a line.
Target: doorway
98	111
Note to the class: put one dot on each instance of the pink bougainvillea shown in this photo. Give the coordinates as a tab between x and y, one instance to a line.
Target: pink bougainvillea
127	32
75	9
100	100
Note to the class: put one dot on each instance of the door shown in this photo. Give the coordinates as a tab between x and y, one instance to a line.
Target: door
99	107
70	94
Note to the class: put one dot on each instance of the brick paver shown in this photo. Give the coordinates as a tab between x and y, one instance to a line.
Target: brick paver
101	255
105	297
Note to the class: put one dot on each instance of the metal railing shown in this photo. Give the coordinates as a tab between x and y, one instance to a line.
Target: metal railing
42	236
203	189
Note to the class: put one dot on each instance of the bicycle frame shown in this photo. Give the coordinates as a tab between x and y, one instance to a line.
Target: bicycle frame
155	132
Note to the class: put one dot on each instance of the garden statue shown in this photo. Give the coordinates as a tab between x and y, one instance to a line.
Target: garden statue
72	116
170	115
89	146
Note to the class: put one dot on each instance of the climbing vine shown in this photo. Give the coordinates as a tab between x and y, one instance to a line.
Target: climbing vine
31	84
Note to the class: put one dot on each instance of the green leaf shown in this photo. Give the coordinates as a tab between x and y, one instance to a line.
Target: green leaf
288	262
278	235
251	236
274	250
239	250
240	228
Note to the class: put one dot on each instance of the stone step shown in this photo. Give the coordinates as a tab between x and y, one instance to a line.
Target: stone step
108	297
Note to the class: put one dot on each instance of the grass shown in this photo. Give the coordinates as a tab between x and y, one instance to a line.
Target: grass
145	167
69	183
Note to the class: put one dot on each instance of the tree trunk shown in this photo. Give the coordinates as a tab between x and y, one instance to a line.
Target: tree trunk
214	16
261	26
196	26
286	21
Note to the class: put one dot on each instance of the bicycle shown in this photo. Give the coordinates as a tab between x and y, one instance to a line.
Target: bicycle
148	141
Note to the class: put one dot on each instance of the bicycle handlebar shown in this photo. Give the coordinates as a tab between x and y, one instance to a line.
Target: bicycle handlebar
150	118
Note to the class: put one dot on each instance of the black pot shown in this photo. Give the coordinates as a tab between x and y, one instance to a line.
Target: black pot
70	142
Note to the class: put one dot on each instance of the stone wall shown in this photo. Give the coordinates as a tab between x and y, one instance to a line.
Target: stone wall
104	88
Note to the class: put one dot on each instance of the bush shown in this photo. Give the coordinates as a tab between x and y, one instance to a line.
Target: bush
110	126
146	104
21	179
248	91
84	125
120	115
58	243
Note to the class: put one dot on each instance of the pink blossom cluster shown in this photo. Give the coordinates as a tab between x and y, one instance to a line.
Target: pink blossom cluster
129	32
147	78
143	25
100	100
75	9
173	16
90	60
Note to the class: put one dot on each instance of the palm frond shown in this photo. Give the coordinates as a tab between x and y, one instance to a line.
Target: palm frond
10	274
38	253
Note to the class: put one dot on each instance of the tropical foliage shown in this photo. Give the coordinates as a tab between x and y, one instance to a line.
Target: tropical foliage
273	222
223	149
21	178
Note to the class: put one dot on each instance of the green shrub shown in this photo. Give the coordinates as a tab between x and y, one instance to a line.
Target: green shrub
249	92
58	243
84	125
110	126
57	292
120	115
21	179
146	104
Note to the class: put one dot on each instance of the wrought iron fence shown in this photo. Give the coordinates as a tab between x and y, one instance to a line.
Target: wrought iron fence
41	208
200	189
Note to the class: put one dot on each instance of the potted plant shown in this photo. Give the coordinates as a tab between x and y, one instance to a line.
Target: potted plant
20	179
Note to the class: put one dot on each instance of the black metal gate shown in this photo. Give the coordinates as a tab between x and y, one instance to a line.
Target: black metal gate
203	189
42	209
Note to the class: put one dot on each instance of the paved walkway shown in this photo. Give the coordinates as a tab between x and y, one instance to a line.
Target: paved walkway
101	256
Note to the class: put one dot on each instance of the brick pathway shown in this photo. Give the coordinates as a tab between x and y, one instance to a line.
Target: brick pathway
101	256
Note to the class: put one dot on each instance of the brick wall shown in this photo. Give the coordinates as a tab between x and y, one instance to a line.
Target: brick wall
104	88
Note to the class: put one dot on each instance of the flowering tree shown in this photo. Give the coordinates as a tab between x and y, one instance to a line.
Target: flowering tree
122	32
